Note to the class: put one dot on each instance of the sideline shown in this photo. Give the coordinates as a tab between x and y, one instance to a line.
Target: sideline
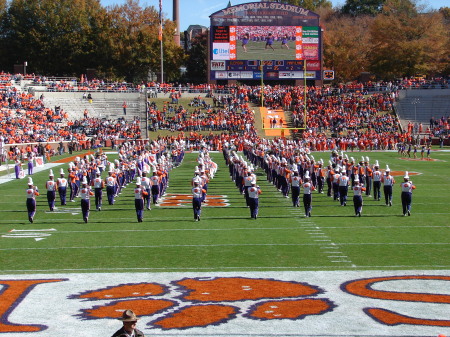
47	166
11	176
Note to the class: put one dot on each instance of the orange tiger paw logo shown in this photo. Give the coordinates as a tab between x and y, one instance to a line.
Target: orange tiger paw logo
172	200
202	302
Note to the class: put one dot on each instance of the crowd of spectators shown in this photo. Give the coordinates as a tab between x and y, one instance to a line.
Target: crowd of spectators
346	117
232	116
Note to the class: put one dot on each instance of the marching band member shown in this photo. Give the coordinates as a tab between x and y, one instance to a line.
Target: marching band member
388	183
111	185
146	184
308	187
98	185
156	181
377	175
329	178
247	182
50	186
253	194
321	173
197	193
335	183
85	194
343	188
368	174
357	196
139	194
32	193
73	182
61	183
407	188
296	181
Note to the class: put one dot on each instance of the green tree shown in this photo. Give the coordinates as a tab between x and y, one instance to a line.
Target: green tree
196	63
136	47
405	42
53	36
362	7
346	43
445	11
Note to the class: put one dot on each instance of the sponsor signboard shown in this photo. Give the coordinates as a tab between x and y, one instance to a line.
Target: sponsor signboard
221	51
217	65
234	74
220	75
246	74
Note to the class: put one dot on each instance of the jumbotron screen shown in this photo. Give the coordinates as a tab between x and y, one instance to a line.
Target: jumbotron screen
265	40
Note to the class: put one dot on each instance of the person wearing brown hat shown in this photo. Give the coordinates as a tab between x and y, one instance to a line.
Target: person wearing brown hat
129	321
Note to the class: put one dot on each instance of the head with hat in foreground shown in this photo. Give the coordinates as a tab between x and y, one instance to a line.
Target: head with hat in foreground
129	320
128	316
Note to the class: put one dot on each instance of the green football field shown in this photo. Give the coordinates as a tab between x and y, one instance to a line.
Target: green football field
256	50
226	238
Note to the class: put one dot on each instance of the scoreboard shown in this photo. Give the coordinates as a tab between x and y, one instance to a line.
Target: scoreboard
271	69
268	40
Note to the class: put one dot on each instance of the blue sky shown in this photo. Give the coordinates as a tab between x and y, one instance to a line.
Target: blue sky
196	12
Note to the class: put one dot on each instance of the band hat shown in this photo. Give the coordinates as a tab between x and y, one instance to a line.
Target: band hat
128	316
406	176
356	179
30	181
376	164
61	171
138	181
84	182
387	168
50	173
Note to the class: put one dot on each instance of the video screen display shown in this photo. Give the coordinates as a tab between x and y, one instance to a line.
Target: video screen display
277	51
265	43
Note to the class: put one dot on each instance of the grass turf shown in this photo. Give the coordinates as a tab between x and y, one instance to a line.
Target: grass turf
226	239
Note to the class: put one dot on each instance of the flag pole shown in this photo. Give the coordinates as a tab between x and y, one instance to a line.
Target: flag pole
160	37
